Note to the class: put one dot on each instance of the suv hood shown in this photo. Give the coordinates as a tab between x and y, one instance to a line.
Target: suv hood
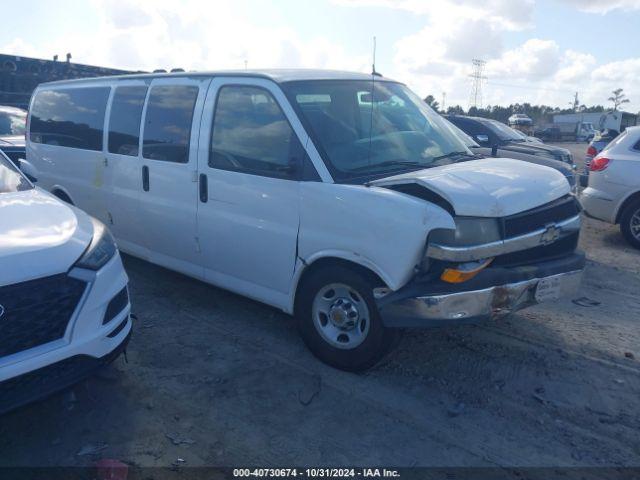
534	148
39	235
490	187
562	167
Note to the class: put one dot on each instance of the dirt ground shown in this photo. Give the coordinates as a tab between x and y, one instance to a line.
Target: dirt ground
216	379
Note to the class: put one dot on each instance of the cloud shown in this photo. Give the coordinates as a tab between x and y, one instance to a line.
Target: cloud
603	6
622	71
575	67
19	47
146	35
509	14
534	59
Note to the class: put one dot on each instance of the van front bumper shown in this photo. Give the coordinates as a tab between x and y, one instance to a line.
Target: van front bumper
493	293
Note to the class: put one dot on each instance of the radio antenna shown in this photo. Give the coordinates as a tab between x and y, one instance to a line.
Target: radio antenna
373	65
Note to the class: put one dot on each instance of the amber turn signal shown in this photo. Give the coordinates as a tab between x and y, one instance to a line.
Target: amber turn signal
464	271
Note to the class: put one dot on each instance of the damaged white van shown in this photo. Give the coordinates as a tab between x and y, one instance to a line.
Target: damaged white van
338	197
64	306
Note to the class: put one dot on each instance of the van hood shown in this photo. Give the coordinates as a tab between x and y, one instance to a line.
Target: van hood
490	187
39	236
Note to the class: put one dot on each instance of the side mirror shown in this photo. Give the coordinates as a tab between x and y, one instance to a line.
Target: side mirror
482	138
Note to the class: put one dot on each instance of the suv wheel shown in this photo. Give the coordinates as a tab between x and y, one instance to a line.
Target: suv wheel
630	223
339	321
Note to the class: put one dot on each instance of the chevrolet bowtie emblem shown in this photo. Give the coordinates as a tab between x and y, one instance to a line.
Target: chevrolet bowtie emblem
550	234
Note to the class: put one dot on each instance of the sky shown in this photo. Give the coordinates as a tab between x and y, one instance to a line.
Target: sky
536	51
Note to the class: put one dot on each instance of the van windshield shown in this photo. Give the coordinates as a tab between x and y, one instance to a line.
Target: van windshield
11	180
373	128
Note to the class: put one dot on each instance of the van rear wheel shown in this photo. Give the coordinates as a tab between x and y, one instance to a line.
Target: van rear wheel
339	321
630	223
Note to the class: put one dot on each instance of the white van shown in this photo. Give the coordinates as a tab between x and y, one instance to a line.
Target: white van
339	197
64	305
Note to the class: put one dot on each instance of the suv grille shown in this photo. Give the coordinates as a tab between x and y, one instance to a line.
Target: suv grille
537	218
37	312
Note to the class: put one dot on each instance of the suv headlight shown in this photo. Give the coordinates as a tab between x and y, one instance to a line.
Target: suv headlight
469	231
101	249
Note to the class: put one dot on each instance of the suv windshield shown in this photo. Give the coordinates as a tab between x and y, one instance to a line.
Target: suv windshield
12	121
367	128
11	180
504	132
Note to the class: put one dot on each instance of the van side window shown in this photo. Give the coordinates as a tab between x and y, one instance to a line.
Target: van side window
124	120
168	120
252	135
71	117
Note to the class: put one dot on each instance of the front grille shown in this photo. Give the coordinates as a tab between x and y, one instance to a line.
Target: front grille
37	312
537	218
557	249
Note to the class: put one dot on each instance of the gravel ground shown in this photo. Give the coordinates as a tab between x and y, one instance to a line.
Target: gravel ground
216	379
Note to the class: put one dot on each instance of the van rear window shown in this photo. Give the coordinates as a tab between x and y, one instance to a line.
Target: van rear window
70	117
124	120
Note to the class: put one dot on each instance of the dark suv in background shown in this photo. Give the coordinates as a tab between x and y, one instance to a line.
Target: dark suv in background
491	133
12	127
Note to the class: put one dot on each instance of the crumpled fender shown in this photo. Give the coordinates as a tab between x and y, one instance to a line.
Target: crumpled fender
382	230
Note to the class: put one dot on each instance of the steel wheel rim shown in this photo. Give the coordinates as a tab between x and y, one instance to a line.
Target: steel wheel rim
341	316
634	225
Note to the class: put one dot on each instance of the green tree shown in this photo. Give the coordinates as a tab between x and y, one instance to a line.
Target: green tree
455	110
431	101
618	98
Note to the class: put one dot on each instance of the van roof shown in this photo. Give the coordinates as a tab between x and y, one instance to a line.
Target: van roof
276	75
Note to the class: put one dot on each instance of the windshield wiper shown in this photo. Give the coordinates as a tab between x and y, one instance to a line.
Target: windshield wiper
453	155
389	163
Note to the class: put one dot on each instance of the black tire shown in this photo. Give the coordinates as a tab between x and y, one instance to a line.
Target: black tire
631	210
378	339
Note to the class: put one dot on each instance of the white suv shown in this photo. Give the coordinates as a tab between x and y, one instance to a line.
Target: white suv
64	306
339	197
613	194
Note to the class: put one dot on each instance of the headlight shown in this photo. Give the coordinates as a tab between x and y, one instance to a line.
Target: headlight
469	231
101	249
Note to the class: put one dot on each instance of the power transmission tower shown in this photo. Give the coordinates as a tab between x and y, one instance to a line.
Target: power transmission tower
475	99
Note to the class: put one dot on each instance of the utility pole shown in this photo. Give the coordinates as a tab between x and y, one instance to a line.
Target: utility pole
475	99
444	95
576	103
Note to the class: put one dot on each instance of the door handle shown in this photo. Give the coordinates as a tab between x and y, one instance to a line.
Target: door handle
145	178
204	188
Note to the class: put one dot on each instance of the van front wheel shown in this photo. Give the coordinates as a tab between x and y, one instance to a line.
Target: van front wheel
339	320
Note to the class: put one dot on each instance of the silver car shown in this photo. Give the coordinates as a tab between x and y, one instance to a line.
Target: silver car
613	194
